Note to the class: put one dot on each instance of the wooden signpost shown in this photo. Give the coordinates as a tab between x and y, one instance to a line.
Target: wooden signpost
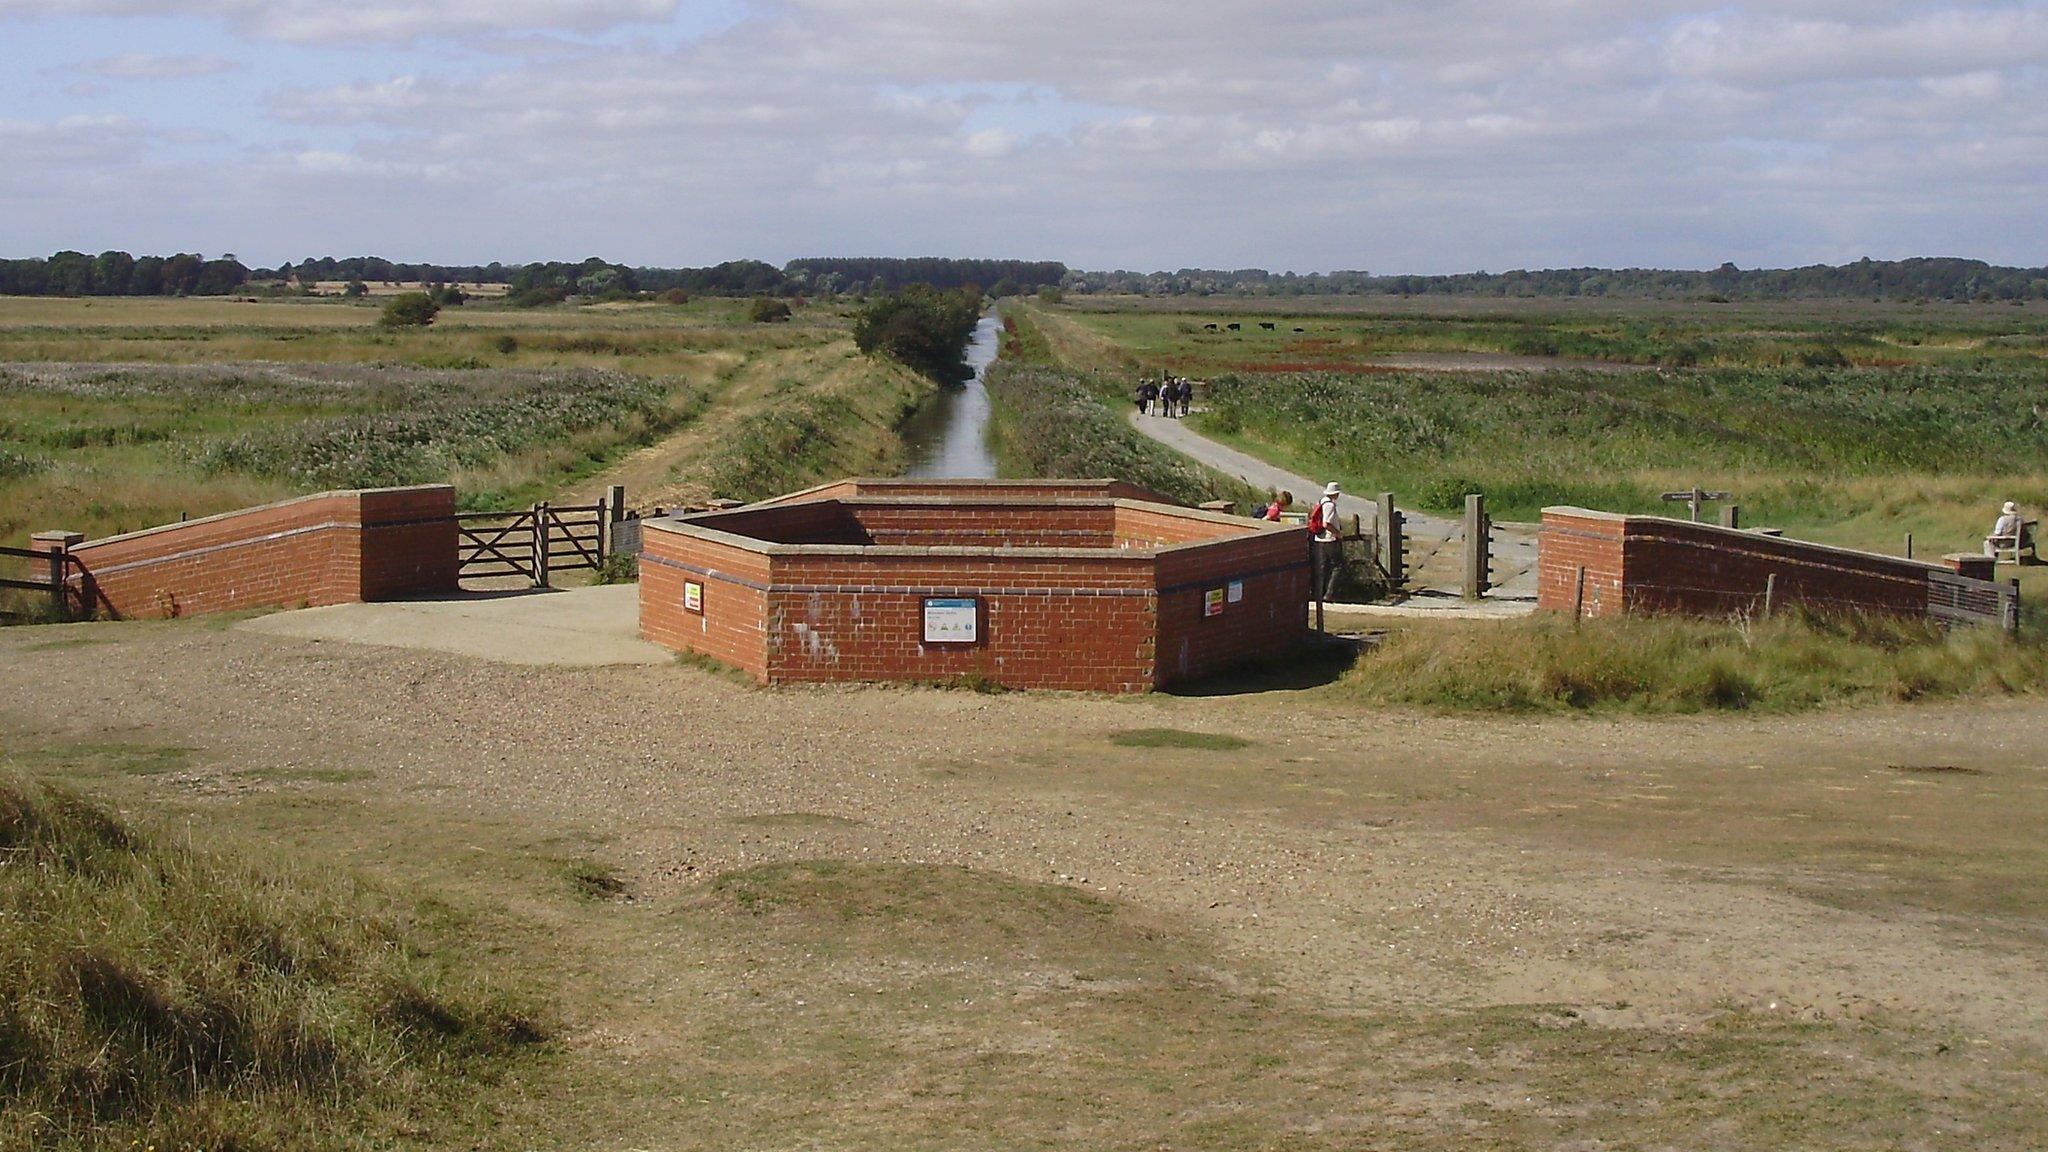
1697	497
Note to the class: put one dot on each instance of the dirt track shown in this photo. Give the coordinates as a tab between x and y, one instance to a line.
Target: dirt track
1644	872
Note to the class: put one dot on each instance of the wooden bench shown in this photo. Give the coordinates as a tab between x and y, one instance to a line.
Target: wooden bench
2009	549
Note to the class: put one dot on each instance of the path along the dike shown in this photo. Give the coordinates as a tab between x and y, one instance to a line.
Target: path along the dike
1435	545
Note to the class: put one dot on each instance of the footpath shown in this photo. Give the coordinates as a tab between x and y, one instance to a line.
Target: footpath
1435	544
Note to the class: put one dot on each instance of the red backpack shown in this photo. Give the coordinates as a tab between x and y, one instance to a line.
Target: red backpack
1315	518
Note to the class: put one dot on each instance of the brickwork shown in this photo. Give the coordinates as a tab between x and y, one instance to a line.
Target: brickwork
1654	564
1065	599
330	548
1039	490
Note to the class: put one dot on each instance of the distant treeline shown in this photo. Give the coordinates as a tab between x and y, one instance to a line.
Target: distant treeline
118	274
1927	278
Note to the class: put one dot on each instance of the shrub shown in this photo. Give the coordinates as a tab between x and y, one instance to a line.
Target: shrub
409	310
355	290
768	310
675	296
921	328
505	343
450	296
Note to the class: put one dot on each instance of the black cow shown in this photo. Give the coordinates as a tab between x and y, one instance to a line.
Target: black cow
1232	327
1266	325
1208	327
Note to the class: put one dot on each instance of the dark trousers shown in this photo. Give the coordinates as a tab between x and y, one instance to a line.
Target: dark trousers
1328	559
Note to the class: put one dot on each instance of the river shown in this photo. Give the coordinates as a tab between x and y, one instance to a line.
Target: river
948	437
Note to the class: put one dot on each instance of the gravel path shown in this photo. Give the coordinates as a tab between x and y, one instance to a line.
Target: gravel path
1361	858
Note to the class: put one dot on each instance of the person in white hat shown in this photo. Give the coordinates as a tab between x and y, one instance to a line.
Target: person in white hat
2006	531
1328	549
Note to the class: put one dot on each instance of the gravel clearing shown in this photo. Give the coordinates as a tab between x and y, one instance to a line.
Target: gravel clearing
1647	872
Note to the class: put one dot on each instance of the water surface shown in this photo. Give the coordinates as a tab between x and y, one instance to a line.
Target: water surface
947	439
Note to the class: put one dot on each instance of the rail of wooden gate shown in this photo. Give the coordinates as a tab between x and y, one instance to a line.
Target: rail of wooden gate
536	541
42	574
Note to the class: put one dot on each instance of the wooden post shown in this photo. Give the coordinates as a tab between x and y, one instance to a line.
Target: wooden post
540	544
1578	595
2012	607
1731	515
1391	535
611	510
1478	543
1770	593
58	546
1909	545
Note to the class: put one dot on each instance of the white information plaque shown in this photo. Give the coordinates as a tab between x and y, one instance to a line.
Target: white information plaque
952	621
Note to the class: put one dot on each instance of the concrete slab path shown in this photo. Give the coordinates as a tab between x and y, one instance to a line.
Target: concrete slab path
1435	543
576	628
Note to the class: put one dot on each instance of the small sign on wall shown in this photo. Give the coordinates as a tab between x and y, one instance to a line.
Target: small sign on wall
952	620
1212	602
1236	590
693	597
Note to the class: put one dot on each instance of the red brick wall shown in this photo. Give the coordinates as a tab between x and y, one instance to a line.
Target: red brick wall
967	489
986	524
331	548
1269	622
1067	620
732	626
1654	564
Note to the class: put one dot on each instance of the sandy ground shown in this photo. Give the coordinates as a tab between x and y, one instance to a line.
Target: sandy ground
1643	872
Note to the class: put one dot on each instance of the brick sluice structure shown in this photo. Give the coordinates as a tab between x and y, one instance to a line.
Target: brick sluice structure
1027	584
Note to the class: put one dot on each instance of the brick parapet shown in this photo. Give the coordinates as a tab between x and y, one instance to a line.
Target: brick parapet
1657	564
327	548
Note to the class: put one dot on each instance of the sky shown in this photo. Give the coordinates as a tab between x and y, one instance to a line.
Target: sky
1418	136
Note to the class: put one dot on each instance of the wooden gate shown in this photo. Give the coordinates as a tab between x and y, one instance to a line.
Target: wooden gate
533	542
1954	599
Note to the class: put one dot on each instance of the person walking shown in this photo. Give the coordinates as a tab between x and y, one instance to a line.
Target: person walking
1327	547
1148	393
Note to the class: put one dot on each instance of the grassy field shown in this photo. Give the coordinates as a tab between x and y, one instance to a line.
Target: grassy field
120	414
1845	423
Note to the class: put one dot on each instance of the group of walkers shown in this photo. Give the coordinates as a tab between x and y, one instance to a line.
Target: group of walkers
1168	396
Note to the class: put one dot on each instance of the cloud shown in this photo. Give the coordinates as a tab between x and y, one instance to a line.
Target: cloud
361	21
1392	134
147	66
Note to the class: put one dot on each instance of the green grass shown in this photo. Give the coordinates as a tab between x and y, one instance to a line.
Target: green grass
1178	738
164	996
1804	447
1668	665
137	446
1049	422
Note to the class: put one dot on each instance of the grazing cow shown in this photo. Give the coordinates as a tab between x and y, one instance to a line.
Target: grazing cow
1208	327
1297	329
1266	325
1232	327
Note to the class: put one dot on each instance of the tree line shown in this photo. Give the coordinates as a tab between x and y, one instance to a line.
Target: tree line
115	273
1922	278
110	273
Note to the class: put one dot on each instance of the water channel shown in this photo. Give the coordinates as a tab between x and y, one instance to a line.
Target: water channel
948	437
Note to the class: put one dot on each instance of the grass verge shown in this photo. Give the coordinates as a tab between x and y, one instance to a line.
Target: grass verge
164	996
1667	665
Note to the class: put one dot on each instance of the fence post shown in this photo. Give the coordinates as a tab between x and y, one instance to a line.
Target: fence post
2012	607
1578	595
1390	529
613	512
1731	515
58	545
1770	593
540	544
1909	545
1478	546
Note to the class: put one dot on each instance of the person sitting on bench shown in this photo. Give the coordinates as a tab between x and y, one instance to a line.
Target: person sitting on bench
2010	531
